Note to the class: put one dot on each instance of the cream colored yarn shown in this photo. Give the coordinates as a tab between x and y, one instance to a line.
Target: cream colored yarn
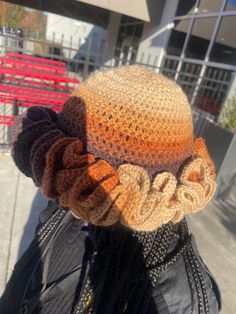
144	206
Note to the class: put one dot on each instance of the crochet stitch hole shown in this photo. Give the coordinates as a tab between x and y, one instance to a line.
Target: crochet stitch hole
194	177
189	197
127	138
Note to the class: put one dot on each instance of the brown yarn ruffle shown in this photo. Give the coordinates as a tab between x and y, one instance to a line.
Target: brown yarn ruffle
77	179
27	133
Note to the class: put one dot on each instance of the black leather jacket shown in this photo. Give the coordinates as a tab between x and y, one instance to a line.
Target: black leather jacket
48	276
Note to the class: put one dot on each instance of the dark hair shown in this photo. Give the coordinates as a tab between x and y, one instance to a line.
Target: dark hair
126	264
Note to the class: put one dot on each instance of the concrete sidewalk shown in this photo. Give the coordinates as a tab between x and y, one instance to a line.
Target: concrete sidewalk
21	203
214	229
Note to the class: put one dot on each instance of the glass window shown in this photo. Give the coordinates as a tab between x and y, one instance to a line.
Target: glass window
177	37
213	89
186	7
230	5
139	30
207	6
188	76
169	67
200	37
224	48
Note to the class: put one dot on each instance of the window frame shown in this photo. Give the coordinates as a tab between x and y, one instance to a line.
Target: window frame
205	63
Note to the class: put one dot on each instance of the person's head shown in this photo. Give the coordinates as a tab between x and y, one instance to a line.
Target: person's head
121	150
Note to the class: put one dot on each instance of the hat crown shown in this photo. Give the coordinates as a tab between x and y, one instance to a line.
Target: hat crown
139	88
134	115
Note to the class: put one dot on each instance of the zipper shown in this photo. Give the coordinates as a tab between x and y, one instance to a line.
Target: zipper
50	225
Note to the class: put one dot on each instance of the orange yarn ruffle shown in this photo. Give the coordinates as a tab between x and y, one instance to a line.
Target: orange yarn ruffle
202	151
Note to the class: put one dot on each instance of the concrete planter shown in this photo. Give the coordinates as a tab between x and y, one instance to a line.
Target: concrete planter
222	147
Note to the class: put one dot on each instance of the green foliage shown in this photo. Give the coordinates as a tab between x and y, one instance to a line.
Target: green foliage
228	115
32	22
11	15
16	14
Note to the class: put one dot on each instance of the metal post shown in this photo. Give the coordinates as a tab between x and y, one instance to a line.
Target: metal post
87	59
15	109
212	40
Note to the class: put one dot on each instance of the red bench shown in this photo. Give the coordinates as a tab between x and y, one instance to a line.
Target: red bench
29	81
35	59
22	69
8	67
207	104
28	96
6	120
32	65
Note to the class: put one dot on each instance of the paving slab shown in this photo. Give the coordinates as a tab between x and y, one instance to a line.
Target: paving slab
9	177
215	232
21	203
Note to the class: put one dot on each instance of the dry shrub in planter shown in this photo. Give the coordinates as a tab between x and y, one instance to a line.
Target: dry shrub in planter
228	115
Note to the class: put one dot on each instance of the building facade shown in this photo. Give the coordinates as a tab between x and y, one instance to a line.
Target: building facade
194	44
190	41
201	52
73	34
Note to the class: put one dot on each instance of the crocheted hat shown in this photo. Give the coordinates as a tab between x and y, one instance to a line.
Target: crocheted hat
122	149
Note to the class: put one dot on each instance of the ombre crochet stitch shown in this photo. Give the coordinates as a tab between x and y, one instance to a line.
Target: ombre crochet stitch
133	115
121	150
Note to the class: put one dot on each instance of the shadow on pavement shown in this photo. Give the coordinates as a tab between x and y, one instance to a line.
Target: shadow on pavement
225	201
227	215
38	204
